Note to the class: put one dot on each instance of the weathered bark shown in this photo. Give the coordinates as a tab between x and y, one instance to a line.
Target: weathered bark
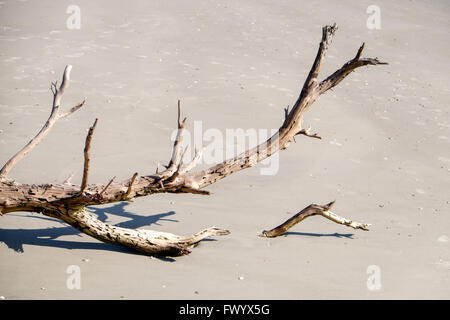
145	241
67	201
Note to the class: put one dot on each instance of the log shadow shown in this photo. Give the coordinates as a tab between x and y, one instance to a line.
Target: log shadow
48	237
337	235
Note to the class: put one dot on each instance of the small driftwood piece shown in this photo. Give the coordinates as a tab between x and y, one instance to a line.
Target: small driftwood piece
309	211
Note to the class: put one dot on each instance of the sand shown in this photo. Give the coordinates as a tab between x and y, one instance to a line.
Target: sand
384	156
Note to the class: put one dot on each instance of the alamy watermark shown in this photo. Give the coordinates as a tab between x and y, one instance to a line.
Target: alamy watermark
374	20
74	279
374	279
73	22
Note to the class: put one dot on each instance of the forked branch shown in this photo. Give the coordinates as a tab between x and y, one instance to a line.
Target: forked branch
309	211
292	125
54	116
68	202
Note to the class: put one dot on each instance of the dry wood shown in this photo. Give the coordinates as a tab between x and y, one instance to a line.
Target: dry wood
106	188
87	146
68	202
309	211
54	116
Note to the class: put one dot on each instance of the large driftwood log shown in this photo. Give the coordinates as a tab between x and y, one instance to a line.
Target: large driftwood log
68	202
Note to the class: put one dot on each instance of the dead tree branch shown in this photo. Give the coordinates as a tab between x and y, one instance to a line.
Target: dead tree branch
54	116
68	202
309	211
292	124
87	146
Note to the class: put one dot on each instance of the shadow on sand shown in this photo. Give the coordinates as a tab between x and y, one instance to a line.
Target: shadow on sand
337	235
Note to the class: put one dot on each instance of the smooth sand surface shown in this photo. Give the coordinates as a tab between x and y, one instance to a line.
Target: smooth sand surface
384	156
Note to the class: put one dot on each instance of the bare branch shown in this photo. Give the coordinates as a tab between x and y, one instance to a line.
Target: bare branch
53	87
178	171
72	110
286	112
308	95
191	165
293	119
180	164
335	78
181	124
213	231
312	210
307	133
106	187
346	222
176	152
87	146
127	194
69	179
327	35
57	95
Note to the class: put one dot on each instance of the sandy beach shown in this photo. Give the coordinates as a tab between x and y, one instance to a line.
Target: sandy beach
384	155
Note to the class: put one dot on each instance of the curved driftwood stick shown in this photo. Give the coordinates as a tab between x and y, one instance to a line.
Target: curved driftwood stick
309	211
68	202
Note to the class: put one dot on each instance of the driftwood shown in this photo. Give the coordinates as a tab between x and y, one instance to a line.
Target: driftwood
309	211
68	202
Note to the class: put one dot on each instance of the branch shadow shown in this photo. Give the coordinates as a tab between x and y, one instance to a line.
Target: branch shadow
48	237
337	235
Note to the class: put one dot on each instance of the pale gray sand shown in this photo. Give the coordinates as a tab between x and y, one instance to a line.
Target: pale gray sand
385	153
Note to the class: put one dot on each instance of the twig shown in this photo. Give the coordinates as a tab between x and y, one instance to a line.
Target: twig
133	178
106	187
87	146
191	165
177	143
335	78
178	170
312	210
307	133
72	110
69	179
